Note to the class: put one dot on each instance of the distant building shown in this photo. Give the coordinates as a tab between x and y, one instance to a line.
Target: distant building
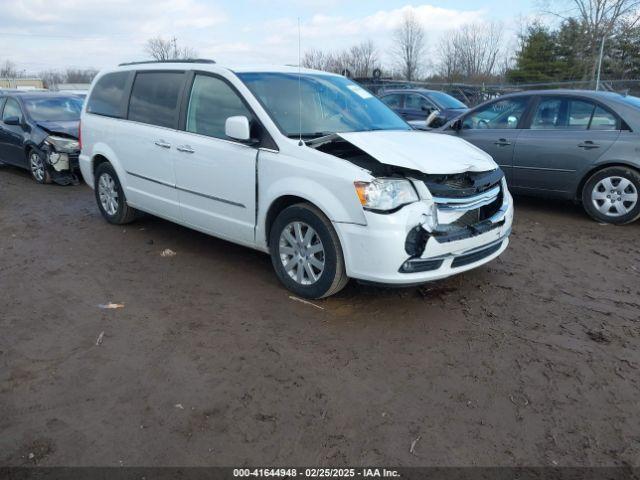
28	83
78	88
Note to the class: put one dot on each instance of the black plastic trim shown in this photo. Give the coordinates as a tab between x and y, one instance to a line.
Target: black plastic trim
417	265
148	62
474	257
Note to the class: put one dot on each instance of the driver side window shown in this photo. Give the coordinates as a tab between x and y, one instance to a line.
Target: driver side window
11	109
500	115
212	102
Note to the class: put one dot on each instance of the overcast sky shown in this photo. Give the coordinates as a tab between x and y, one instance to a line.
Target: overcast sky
42	34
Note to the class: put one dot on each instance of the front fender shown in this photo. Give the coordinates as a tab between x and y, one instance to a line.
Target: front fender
339	204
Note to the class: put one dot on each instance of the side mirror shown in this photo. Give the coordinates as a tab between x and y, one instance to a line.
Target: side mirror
238	128
12	121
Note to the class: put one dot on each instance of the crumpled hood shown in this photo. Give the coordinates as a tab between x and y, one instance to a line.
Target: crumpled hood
70	128
430	153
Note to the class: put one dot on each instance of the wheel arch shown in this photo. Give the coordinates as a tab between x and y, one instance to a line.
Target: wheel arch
278	205
97	160
596	169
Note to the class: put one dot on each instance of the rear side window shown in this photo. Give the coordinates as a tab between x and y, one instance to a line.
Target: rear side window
603	120
155	98
212	102
108	95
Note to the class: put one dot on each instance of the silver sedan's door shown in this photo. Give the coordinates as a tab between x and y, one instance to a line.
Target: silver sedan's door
566	137
495	128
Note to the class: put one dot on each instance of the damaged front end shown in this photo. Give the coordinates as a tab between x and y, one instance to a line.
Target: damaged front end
466	205
61	155
456	220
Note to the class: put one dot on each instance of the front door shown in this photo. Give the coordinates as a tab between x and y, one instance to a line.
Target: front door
566	136
215	176
12	136
495	128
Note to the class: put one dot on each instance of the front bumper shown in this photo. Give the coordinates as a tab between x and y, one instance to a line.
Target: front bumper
65	169
377	252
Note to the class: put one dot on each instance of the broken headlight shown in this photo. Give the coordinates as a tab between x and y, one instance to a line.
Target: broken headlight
384	194
62	144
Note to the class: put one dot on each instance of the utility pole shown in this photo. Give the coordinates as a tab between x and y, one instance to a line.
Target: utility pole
604	37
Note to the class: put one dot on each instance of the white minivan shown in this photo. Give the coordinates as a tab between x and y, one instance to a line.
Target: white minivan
304	165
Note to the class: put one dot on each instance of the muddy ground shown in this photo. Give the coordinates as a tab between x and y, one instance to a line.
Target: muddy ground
531	360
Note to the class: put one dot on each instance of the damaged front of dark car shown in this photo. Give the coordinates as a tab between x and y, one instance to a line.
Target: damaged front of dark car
40	132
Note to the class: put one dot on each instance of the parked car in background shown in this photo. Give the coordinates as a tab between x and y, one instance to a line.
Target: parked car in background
336	188
423	108
578	145
39	132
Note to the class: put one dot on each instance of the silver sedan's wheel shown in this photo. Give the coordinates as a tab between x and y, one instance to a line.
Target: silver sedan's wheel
614	196
108	194
301	253
37	167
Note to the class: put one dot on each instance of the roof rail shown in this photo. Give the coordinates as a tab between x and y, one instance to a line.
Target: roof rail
190	60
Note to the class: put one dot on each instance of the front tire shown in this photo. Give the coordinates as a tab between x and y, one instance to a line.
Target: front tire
38	168
306	252
611	195
110	196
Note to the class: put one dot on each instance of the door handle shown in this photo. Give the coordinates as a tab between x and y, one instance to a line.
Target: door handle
588	145
502	143
185	149
163	144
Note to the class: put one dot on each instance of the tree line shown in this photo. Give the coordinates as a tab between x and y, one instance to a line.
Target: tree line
478	52
51	78
473	53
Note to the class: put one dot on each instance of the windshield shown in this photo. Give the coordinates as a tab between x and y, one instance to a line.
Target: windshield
330	104
446	101
54	109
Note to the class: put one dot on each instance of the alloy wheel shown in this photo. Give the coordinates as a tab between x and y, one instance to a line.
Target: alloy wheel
614	196
301	253
108	194
37	167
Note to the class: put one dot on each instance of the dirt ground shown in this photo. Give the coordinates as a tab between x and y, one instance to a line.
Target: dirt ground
531	360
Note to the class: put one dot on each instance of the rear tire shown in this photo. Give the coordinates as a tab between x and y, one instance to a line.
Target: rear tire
612	195
306	252
110	197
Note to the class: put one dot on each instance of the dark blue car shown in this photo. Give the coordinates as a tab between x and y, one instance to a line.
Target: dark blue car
39	132
418	104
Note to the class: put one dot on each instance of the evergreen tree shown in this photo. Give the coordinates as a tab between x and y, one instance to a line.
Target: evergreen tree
537	59
572	53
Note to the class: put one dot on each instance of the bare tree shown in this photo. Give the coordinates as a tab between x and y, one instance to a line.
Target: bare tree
9	70
600	18
315	59
363	59
80	75
409	46
473	52
163	50
360	60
